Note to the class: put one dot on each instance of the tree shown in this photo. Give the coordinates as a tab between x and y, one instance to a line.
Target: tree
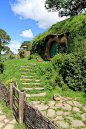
26	45
66	7
4	39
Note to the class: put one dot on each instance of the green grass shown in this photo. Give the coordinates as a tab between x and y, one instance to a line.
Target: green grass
5	109
42	70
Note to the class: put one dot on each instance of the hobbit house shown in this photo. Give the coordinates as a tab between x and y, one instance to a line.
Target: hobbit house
56	44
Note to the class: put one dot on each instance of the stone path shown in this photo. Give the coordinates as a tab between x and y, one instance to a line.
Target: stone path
28	80
66	113
6	122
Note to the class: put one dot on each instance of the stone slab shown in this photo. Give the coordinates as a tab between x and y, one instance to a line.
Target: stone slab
59	113
63	124
76	109
77	123
77	104
13	121
41	107
51	103
70	102
2	117
84	117
67	107
31	83
51	113
6	120
9	126
28	95
1	124
59	105
40	94
66	113
59	118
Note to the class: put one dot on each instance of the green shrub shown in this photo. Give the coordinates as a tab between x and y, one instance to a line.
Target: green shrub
21	53
1	67
57	60
73	70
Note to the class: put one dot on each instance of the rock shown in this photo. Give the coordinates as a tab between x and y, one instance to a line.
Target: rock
40	94
13	121
84	108
77	123
1	124
51	103
27	95
9	126
6	120
70	102
67	107
77	104
41	107
59	112
68	117
51	113
35	102
84	117
58	105
59	118
76	109
2	117
66	113
63	124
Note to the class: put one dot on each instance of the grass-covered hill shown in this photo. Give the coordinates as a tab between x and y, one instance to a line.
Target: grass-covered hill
76	26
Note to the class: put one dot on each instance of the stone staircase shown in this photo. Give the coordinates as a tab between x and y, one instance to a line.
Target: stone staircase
30	81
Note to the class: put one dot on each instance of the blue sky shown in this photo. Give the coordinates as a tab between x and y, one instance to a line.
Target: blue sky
24	19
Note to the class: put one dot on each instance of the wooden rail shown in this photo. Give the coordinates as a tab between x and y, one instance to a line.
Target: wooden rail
16	101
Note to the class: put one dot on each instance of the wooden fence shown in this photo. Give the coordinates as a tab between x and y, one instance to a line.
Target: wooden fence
23	111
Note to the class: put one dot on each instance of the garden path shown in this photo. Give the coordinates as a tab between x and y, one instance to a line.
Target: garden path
66	113
6	122
30	81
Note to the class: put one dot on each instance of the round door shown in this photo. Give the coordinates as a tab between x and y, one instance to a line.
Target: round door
54	49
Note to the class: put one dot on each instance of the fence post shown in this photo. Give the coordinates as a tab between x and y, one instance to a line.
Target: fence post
11	94
21	103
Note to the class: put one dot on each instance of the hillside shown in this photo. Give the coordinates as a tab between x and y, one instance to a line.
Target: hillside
76	26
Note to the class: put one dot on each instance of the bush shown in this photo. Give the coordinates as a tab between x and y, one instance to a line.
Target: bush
57	60
1	67
21	53
73	70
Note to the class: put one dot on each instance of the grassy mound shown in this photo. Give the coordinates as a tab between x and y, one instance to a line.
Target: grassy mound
76	26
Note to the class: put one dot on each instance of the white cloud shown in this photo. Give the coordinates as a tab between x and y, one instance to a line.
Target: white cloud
35	10
14	46
27	33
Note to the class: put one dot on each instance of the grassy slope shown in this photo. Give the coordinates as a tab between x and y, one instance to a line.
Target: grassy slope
63	26
12	71
76	26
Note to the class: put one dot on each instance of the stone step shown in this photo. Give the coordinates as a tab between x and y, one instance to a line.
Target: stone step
40	94
31	83
28	69
24	72
24	66
32	64
26	76
30	80
26	79
39	88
